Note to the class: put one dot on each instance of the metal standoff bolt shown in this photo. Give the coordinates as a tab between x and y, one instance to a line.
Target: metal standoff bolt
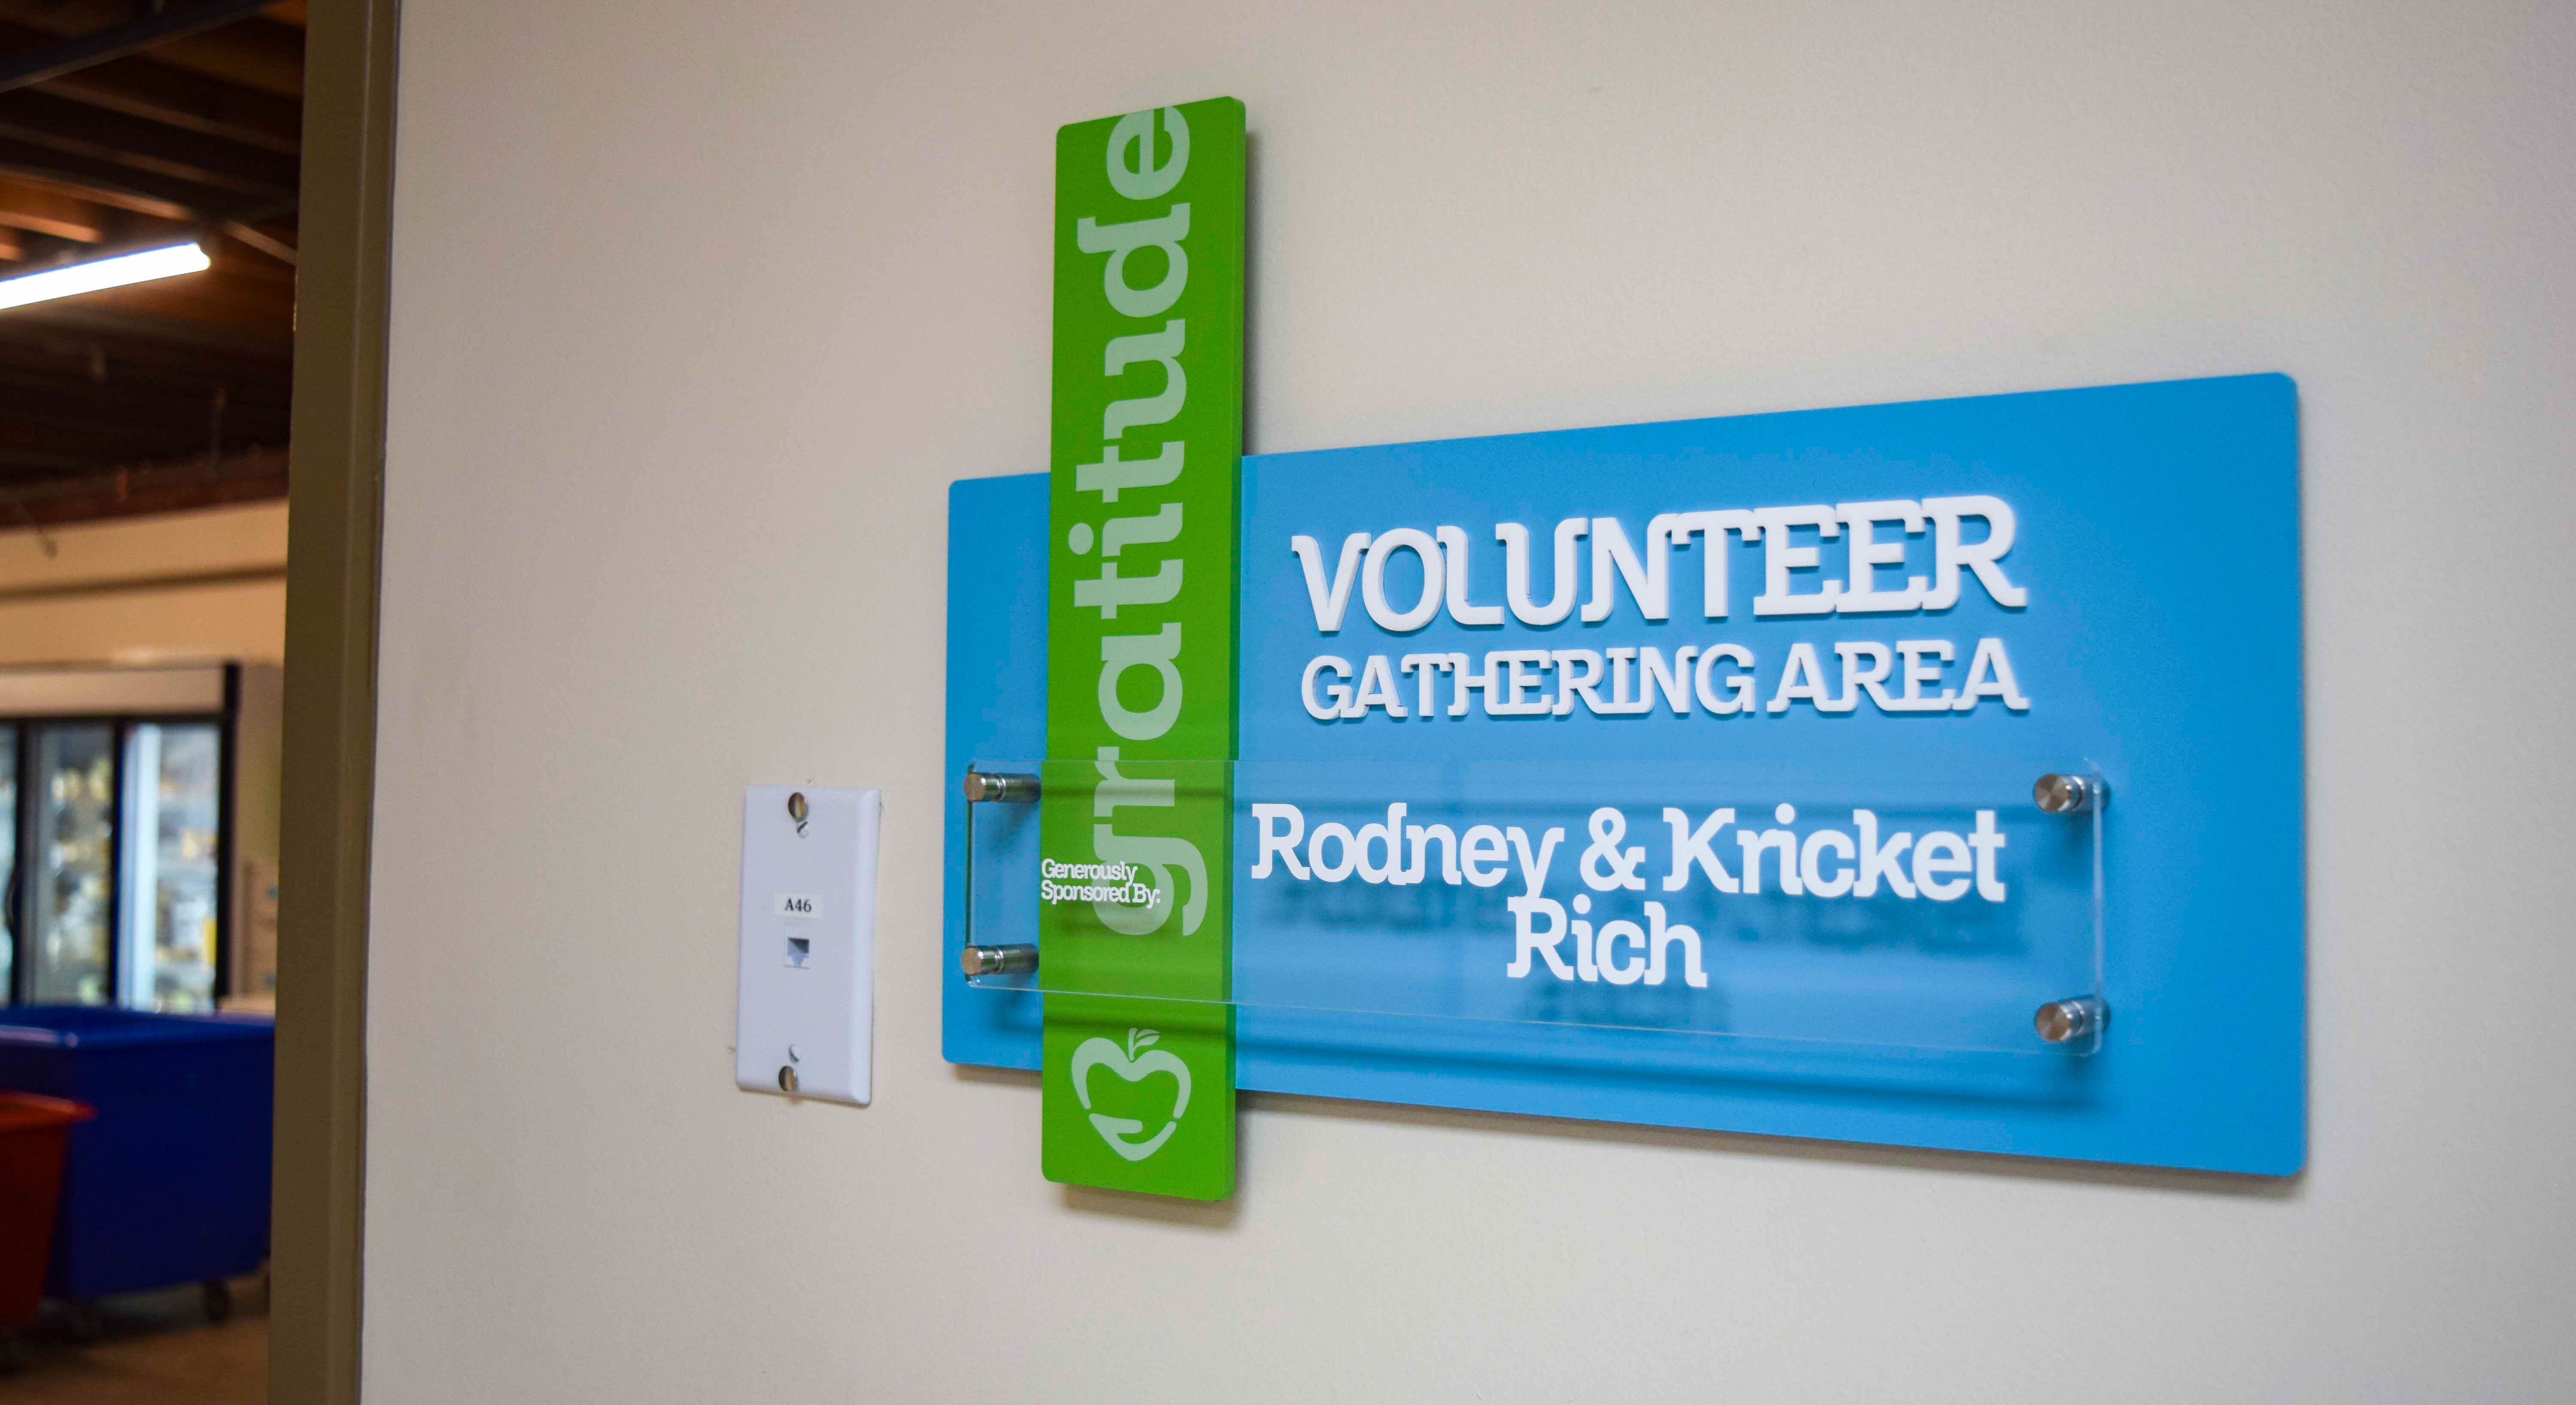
2060	794
998	960
2071	1021
1000	785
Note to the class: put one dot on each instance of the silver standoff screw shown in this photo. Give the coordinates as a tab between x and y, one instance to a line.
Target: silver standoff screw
1010	786
998	960
2058	793
2071	1021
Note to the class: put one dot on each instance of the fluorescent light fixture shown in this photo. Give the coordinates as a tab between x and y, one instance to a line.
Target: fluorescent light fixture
102	273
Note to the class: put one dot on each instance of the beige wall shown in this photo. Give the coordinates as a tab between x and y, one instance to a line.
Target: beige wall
81	604
698	309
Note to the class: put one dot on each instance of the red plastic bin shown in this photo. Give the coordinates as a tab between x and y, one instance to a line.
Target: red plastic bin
33	1134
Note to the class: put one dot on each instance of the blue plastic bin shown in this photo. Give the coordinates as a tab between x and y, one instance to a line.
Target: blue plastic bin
170	1183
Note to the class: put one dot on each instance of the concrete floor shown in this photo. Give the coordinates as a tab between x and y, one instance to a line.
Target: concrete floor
157	1348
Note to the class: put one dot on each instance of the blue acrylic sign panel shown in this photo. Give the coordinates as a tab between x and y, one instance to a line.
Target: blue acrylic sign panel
2144	622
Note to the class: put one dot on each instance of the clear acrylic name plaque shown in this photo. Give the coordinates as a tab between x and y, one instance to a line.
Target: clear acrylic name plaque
1931	911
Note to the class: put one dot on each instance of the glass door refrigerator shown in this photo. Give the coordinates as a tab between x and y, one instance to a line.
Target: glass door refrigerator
123	871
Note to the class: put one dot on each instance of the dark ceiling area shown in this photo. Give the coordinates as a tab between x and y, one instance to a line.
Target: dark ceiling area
128	126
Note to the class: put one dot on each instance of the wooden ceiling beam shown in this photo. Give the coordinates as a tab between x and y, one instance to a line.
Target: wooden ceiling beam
153	404
255	53
220	38
45	464
256	395
144	145
133	476
70	323
88	35
69	317
114	200
107	490
174	97
47	210
94	440
126	440
282	250
109	182
93	417
91	357
145	87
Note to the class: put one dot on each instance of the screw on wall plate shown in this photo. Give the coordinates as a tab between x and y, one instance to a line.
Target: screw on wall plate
1011	787
786	1079
998	960
2071	1021
2058	793
796	810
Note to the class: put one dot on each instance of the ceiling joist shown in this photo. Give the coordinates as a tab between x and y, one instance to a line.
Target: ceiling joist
89	50
145	144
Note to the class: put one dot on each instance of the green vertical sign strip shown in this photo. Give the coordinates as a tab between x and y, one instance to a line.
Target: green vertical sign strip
1136	815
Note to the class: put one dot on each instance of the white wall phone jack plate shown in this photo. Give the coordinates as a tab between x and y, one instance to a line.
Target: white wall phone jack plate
805	1015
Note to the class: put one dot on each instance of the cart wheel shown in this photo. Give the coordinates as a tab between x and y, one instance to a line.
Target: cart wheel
219	1301
86	1323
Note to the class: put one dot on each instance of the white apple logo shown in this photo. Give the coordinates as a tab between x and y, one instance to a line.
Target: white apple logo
1126	1063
